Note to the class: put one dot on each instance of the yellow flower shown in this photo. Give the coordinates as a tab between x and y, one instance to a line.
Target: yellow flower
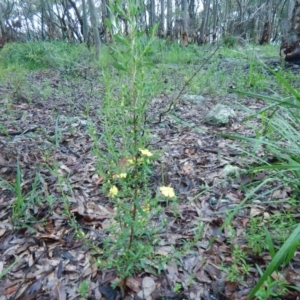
142	221
113	191
121	175
167	191
146	208
130	161
146	152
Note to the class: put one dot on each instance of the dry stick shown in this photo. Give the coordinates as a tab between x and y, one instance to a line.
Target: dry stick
176	100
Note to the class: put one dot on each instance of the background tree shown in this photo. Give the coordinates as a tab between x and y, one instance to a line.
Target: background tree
184	30
203	28
169	19
85	29
202	21
94	22
162	19
290	46
151	10
192	20
215	20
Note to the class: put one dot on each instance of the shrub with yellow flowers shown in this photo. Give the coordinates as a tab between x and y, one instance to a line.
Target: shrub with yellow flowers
124	160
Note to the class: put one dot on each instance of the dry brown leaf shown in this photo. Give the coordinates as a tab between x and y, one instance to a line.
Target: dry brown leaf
148	287
134	284
278	194
59	292
165	250
256	211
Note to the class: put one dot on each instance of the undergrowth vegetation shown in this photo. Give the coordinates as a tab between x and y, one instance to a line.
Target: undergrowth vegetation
277	142
39	55
133	71
125	160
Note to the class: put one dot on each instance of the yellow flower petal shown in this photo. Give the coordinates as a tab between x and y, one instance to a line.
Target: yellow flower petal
130	161
146	208
113	191
167	191
121	175
146	152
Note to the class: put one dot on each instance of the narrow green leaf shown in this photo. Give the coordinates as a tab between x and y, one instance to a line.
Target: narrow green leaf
287	85
290	167
286	102
119	66
121	40
139	209
276	261
260	271
294	288
291	252
269	242
5	271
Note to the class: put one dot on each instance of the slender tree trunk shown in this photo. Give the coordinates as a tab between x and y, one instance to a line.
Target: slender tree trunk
192	19
203	30
28	32
85	29
185	30
162	19
50	21
59	17
105	15
43	19
2	27
68	30
94	22
152	13
228	23
215	15
238	27
169	20
72	29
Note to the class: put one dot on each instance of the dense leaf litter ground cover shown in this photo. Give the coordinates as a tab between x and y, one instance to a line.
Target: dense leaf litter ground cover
51	258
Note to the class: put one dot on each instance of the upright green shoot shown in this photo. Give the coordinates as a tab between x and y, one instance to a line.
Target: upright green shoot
125	160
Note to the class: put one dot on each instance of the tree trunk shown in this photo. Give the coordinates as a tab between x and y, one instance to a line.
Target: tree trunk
72	29
203	28
169	20
290	46
184	31
266	34
162	19
2	27
151	13
192	20
238	26
265	38
228	23
94	22
105	16
85	29
43	19
287	11
215	15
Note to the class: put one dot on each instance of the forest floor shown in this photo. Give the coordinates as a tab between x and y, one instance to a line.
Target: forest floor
46	128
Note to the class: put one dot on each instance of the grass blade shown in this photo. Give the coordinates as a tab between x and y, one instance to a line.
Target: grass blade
280	255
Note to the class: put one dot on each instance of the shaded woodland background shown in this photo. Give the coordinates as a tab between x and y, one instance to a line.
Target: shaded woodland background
184	21
188	21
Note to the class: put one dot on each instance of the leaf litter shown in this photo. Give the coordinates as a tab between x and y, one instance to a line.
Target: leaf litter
46	259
